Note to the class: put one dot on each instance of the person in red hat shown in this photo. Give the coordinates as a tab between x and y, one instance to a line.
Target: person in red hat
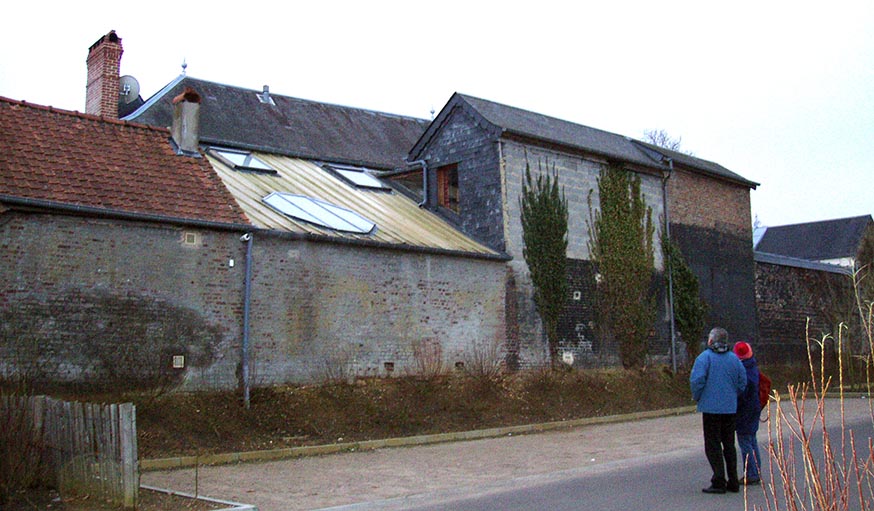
748	410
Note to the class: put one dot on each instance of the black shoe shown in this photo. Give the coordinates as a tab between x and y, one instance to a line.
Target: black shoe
750	482
713	489
733	488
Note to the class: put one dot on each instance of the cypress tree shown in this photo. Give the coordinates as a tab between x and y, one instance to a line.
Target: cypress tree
544	235
621	248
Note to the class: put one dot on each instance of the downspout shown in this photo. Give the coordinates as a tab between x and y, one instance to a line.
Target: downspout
668	265
247	295
424	179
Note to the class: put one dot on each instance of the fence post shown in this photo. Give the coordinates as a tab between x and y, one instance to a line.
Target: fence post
127	418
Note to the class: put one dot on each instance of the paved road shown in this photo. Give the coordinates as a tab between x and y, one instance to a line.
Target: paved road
632	465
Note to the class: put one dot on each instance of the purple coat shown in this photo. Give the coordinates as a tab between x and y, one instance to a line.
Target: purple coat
748	405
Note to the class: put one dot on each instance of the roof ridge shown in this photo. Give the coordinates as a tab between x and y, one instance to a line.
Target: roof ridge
504	105
311	101
844	219
80	115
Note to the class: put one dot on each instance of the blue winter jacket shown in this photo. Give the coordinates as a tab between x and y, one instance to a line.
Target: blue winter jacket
717	379
748	405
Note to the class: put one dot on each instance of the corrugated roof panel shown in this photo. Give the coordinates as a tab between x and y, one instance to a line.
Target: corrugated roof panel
399	220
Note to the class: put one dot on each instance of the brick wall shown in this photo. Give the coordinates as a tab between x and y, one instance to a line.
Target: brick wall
709	203
787	298
323	307
710	221
100	301
92	300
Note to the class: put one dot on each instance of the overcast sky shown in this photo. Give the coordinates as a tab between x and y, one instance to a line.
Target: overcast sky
779	92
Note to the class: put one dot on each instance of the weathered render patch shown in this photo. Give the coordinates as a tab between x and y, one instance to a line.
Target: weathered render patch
98	338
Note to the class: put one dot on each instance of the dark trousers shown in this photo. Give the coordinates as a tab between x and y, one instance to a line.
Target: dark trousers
719	447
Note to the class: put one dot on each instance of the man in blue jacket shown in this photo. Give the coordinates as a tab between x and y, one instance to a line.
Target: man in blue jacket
718	378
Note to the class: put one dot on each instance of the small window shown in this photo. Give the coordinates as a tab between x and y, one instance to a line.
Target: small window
447	187
357	176
319	213
242	160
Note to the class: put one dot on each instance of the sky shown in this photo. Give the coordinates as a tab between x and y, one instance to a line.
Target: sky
779	92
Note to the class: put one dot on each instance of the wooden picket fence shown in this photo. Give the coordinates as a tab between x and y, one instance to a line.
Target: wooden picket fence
86	448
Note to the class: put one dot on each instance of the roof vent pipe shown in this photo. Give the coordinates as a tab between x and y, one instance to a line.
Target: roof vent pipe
186	122
264	97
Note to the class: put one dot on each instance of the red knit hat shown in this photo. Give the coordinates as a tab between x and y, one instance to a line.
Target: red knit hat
743	350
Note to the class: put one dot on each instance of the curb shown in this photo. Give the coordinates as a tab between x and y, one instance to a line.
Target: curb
369	445
228	505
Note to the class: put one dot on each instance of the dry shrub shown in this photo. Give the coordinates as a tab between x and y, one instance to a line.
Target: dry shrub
483	359
21	465
809	468
428	359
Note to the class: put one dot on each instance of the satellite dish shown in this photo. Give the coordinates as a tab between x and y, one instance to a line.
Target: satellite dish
129	89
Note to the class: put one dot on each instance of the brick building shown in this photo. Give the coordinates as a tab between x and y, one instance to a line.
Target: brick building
372	243
476	153
804	284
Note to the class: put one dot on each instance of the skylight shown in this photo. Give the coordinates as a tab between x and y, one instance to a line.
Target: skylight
357	176
319	212
243	160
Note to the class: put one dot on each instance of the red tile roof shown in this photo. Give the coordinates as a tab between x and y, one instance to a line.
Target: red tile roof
71	158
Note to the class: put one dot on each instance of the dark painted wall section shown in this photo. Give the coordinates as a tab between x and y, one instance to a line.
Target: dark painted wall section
724	266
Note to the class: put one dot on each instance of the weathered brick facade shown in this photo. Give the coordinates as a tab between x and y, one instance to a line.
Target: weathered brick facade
797	302
326	307
110	302
105	301
710	221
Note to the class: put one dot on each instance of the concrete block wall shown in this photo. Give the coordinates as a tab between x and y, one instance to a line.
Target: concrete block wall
578	176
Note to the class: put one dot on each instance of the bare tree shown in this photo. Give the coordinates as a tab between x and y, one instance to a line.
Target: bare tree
661	138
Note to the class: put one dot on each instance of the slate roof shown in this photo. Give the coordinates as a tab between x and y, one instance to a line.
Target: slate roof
516	121
816	241
237	117
793	262
51	157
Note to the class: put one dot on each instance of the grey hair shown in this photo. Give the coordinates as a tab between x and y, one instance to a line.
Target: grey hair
718	334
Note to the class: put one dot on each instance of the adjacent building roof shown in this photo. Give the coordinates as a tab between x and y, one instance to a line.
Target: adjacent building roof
794	262
267	122
516	121
399	221
817	241
51	157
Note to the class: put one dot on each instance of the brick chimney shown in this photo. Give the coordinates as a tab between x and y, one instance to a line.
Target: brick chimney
102	90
